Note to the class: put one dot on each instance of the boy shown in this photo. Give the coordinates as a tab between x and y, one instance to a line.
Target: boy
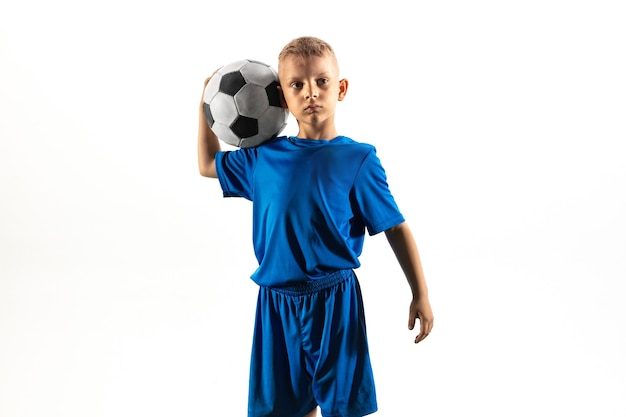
314	195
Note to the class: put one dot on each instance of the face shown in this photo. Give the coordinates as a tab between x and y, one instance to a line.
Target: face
311	89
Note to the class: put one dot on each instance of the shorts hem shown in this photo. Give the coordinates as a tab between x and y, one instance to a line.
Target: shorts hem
358	413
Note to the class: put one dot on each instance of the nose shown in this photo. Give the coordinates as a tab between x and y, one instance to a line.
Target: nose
311	92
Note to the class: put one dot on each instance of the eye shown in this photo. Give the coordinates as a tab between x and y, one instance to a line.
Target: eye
323	81
296	84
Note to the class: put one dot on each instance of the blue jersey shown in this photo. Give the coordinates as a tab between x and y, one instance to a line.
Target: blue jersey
312	202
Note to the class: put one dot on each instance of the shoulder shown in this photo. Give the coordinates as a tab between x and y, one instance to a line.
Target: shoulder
269	145
275	143
353	146
357	151
356	145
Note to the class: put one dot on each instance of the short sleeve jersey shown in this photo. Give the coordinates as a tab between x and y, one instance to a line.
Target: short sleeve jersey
312	202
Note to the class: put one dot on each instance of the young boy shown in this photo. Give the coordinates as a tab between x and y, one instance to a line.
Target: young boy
313	195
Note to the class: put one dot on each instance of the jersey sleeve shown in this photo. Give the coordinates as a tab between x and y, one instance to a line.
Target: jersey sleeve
376	204
235	171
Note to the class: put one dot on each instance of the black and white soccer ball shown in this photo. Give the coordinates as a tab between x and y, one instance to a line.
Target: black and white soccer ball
242	105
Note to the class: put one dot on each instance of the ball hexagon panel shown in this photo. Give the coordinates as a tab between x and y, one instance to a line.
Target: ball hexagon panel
272	121
212	87
233	66
251	100
258	73
226	134
223	109
255	140
207	114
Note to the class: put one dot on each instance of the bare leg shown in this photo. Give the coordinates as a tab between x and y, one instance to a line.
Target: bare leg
312	413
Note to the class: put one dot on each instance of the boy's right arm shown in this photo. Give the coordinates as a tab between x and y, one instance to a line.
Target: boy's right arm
208	144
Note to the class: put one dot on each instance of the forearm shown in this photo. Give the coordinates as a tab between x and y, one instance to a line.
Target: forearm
208	146
401	240
404	247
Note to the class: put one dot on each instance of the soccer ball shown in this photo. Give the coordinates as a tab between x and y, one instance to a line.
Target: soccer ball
241	104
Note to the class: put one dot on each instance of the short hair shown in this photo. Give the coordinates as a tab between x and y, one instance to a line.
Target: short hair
306	46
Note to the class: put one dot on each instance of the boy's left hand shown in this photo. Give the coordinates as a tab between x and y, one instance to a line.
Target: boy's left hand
420	310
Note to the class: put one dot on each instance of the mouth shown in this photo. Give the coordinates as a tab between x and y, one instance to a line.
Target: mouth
312	108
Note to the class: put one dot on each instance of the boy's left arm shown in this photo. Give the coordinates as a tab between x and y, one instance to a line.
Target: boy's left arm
404	247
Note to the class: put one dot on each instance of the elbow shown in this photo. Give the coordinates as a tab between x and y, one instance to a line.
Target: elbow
202	170
207	172
207	168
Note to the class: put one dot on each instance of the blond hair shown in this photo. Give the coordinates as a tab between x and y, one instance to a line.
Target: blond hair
305	47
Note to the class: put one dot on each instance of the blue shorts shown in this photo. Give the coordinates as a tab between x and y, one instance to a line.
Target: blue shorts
309	349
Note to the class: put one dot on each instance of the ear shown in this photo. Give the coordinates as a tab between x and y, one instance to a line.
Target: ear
343	88
281	97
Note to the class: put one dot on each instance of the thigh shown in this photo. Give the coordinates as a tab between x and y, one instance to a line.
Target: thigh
279	383
337	352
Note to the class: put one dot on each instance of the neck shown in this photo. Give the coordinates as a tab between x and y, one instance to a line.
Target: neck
317	133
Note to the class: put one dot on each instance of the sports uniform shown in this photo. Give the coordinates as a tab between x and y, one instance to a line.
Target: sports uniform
313	200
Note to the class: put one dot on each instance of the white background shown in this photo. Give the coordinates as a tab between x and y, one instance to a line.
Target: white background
124	286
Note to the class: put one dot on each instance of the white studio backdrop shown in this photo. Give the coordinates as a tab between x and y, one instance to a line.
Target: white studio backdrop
124	286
